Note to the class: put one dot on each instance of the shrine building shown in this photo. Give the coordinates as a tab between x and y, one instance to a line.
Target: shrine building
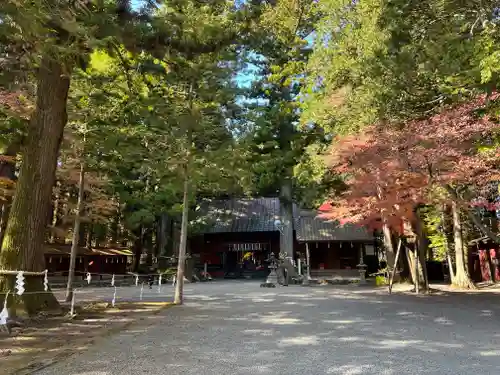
238	235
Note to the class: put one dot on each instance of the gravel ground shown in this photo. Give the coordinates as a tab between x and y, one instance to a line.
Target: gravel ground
236	328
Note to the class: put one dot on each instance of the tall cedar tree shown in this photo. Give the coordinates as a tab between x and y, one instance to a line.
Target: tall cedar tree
280	49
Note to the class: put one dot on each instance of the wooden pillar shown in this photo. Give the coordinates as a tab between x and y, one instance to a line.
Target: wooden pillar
308	260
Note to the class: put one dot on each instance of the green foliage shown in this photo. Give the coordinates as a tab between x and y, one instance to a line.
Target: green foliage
313	181
380	280
377	61
434	225
143	114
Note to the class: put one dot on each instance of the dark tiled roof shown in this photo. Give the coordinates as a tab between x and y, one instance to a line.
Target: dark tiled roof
315	229
240	215
259	215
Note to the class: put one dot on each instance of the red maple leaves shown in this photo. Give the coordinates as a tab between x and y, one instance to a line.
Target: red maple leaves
389	171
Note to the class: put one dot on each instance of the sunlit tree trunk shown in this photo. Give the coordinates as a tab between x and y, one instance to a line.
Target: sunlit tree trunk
76	234
416	260
390	255
181	266
462	278
22	247
451	270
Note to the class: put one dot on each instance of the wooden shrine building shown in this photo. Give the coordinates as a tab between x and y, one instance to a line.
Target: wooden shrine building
238	235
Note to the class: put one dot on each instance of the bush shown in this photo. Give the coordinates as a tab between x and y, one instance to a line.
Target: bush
380	280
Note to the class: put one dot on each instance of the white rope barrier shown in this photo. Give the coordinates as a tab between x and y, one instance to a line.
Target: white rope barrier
46	274
46	281
21	280
20	291
20	283
27	273
4	314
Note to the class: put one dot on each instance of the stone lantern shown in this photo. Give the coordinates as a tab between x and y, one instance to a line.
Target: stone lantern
361	268
272	278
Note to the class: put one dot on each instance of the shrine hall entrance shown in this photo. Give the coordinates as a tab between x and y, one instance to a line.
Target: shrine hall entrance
245	259
236	255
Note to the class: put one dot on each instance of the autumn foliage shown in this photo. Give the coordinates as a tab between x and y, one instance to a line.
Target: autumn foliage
389	171
15	104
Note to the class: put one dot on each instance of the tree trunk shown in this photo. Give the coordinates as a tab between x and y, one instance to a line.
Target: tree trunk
22	247
7	170
471	214
390	255
462	278
422	248
409	260
76	234
115	229
89	235
82	235
179	286
393	271
137	249
416	280
388	245
4	217
148	246
444	232
414	266
55	212
161	235
450	268
286	213
422	252
491	266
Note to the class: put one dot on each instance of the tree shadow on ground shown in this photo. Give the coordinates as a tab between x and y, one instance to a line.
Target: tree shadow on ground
41	340
332	330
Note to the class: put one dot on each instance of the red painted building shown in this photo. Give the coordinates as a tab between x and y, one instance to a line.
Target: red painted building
484	261
96	260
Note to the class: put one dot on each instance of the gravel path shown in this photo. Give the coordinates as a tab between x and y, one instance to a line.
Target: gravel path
236	328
